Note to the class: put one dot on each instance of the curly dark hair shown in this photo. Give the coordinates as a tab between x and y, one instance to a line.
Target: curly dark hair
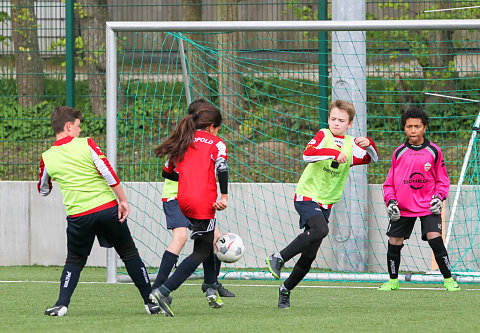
414	113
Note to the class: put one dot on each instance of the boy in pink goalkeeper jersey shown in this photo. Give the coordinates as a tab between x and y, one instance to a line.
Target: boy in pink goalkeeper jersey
416	185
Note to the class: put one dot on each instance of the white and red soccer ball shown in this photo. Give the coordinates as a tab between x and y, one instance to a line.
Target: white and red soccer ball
229	248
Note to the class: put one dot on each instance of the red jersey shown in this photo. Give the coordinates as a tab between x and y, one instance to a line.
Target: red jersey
197	184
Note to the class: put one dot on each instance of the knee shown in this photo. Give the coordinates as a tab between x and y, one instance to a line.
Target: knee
76	259
127	250
318	228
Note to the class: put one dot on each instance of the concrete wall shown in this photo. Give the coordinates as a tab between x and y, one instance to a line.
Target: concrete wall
32	227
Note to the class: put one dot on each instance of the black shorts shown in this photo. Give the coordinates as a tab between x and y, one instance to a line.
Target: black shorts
307	209
404	226
201	227
104	224
174	215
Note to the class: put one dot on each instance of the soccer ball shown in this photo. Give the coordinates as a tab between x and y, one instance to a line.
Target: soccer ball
229	248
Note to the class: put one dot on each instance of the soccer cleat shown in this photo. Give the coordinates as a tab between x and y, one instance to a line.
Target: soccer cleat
162	301
213	299
451	285
56	310
224	292
274	266
283	298
391	284
152	309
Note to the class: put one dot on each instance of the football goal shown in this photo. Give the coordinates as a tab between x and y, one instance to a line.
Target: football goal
273	82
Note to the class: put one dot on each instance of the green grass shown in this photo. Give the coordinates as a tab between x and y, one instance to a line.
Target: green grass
98	307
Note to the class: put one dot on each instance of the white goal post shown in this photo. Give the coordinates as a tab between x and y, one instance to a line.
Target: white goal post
243	26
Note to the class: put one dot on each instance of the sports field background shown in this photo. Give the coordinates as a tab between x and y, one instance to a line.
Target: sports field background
316	306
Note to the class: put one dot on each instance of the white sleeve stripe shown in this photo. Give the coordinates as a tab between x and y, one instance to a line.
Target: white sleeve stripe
102	168
222	149
312	159
373	154
45	183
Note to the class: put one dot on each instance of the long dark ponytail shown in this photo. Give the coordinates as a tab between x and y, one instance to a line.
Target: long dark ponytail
201	114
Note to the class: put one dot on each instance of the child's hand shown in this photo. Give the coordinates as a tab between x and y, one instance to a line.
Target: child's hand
123	211
342	158
362	141
222	203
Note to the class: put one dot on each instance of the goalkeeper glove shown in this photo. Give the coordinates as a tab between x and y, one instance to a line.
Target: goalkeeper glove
393	211
436	205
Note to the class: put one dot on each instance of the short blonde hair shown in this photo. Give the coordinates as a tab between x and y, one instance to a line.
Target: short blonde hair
345	106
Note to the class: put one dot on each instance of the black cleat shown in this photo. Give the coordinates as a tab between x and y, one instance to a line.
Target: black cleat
56	310
162	301
274	265
283	298
152	308
224	292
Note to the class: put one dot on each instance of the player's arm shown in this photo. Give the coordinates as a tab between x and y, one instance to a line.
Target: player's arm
105	169
389	194
315	151
442	182
364	151
102	164
169	172
44	184
389	184
221	169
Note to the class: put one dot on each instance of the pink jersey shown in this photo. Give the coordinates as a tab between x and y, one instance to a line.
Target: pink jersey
197	185
416	174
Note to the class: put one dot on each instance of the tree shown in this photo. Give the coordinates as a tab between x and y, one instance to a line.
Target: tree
93	15
229	78
192	11
28	62
434	50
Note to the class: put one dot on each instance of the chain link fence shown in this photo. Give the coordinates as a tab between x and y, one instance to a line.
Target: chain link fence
38	42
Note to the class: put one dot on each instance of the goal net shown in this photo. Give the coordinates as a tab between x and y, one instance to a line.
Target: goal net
273	82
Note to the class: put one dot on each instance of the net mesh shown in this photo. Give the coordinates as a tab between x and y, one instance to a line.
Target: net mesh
274	96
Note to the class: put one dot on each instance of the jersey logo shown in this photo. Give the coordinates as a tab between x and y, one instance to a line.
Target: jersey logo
427	166
207	141
416	181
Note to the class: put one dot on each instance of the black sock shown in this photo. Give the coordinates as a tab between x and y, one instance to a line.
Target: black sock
441	256
316	230
137	271
302	267
68	282
295	247
169	260
218	263
181	274
393	260
209	271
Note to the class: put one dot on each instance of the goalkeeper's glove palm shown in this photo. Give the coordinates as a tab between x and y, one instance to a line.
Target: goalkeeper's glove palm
436	205
393	210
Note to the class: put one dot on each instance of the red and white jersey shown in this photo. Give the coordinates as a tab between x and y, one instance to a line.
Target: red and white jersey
315	151
197	185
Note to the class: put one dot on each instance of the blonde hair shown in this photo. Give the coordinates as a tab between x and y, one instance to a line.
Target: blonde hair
345	106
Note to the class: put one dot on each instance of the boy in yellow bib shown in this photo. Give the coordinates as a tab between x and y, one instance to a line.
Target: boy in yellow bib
329	155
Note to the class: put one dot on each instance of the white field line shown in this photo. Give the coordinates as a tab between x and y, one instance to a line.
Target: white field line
255	285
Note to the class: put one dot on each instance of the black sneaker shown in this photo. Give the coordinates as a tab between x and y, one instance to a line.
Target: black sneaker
162	301
224	292
274	265
283	298
152	308
56	310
